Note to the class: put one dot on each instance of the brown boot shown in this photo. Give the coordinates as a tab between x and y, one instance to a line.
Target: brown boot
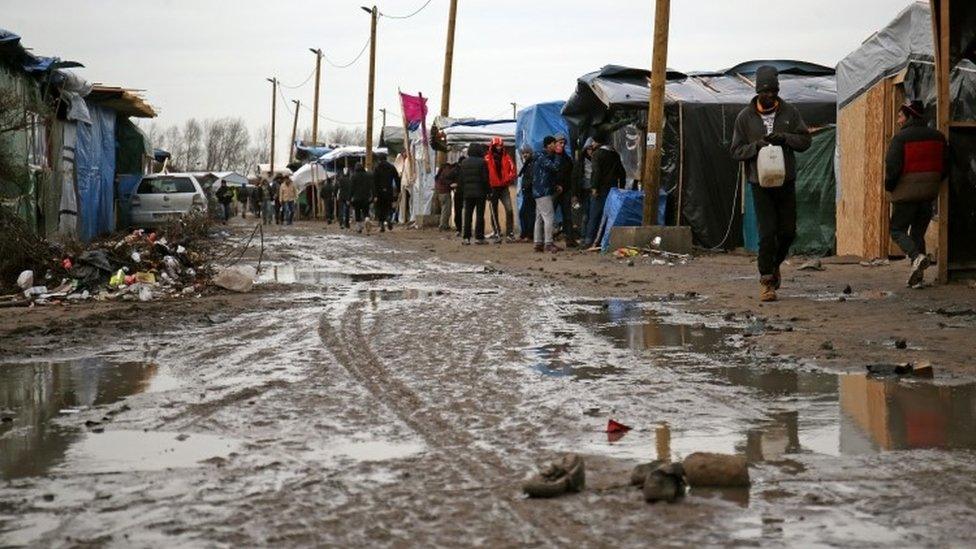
767	292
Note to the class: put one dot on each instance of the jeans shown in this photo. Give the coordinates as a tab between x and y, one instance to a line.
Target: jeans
288	211
909	221
267	211
776	216
476	207
544	215
444	201
527	216
458	210
225	211
595	217
501	195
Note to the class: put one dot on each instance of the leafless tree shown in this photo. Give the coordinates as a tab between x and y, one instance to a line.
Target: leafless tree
193	142
260	150
346	136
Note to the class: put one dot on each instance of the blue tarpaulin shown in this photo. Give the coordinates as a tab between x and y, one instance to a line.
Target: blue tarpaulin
538	121
95	169
626	209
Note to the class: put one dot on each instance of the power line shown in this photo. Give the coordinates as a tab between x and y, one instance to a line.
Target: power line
407	16
309	109
311	74
349	64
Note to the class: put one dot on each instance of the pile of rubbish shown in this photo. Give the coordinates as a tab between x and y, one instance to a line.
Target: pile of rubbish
139	266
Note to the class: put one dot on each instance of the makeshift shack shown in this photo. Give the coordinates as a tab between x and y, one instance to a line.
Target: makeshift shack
702	180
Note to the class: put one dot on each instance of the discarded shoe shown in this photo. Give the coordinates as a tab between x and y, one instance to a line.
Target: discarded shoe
887	370
640	472
559	477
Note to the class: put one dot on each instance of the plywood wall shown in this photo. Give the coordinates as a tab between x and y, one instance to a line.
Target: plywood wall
860	134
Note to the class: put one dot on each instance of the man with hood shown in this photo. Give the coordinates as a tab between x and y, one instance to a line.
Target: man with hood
607	172
501	175
344	197
544	188
473	180
916	164
386	182
770	121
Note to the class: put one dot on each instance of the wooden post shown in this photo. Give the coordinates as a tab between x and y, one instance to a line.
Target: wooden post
448	67
293	149
515	111
655	114
372	88
315	101
274	103
940	28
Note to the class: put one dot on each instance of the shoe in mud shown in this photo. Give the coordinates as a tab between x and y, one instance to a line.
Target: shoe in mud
777	279
559	477
552	248
767	290
481	242
539	248
919	265
666	483
466	242
640	472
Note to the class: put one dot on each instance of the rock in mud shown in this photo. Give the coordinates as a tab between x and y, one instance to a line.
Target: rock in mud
559	477
716	470
640	472
901	343
665	483
848	290
236	279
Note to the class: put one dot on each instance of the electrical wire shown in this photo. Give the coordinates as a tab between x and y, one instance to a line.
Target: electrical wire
310	75
427	3
351	63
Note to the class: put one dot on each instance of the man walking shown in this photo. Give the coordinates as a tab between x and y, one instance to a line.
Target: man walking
224	196
386	181
565	191
361	194
527	209
444	182
915	166
287	195
329	198
547	165
267	205
607	172
770	121
473	180
344	197
501	174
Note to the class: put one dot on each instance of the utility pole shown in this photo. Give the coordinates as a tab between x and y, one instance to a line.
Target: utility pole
315	101
655	112
514	110
384	120
372	83
274	104
448	67
292	150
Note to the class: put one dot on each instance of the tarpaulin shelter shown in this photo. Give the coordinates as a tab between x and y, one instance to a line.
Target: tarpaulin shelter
462	134
623	209
305	152
895	64
698	172
535	122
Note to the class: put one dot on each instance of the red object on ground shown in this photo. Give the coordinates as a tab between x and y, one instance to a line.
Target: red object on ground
66	264
151	238
615	427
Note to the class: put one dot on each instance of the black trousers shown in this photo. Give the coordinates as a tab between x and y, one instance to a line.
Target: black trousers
383	207
909	221
361	210
330	206
458	210
564	203
776	216
475	206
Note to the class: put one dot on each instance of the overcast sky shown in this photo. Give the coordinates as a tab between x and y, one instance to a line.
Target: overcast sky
210	58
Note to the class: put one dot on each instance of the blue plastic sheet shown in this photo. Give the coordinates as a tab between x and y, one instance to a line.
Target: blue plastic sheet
626	209
95	173
537	121
127	187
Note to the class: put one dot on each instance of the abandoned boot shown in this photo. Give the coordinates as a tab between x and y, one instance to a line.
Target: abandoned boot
767	292
666	483
557	478
639	474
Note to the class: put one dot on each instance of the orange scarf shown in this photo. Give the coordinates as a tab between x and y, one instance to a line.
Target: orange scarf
759	107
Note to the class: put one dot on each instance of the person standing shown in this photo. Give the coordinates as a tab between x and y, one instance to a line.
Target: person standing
501	175
386	182
544	179
607	172
527	209
565	191
328	193
473	180
458	198
361	194
224	196
276	196
267	205
915	166
344	198
444	182
287	195
242	200
770	121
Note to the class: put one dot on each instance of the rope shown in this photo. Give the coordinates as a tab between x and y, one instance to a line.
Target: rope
427	3
735	204
247	245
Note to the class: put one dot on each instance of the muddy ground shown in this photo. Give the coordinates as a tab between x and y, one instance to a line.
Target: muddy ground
395	389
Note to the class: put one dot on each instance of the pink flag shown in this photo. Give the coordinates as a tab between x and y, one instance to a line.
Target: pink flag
414	110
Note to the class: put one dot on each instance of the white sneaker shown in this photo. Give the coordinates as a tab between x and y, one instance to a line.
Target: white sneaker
921	263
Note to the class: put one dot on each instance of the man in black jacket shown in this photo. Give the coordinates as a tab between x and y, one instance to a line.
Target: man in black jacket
386	181
607	172
473	181
916	164
770	121
565	191
527	209
361	196
344	197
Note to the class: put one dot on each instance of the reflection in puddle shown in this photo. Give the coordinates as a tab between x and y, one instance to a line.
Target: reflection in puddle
376	296
552	364
121	451
37	392
289	274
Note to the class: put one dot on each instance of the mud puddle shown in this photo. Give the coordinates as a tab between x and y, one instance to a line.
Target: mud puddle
127	451
291	274
38	400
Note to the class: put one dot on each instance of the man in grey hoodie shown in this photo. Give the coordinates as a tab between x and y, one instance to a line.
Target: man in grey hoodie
768	120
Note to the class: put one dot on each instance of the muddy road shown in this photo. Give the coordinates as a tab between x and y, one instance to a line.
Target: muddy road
372	394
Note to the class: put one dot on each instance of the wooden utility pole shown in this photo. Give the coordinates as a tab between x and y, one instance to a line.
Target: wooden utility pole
651	178
372	83
315	101
383	111
292	150
448	68
940	32
514	110
274	104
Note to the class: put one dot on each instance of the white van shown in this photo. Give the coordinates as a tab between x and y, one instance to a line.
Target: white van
161	198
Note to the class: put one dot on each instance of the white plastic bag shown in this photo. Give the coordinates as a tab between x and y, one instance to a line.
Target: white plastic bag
771	166
25	280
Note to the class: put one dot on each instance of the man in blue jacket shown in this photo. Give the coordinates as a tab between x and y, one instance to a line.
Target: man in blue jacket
544	182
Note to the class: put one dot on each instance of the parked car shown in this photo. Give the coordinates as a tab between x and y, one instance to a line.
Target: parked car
160	198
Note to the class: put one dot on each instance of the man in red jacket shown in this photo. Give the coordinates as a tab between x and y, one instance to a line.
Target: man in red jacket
501	174
915	166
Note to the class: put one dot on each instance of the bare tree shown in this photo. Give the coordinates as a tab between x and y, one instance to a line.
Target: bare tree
260	150
173	138
346	136
193	142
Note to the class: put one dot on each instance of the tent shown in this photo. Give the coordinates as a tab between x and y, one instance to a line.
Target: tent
463	134
698	173
897	63
535	122
312	173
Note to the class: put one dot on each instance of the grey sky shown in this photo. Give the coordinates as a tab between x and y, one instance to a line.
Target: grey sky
209	58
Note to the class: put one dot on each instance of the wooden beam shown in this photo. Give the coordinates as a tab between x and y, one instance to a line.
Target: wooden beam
651	179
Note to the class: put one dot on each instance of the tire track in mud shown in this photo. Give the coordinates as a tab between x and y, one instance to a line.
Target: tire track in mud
349	345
